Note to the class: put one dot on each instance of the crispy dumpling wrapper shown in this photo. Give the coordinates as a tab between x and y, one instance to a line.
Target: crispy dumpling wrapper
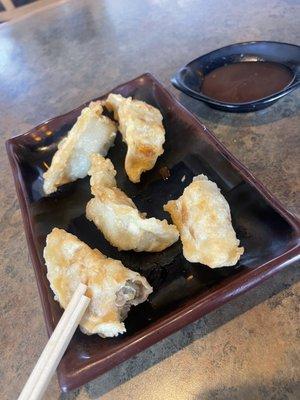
202	216
142	130
92	133
113	289
117	217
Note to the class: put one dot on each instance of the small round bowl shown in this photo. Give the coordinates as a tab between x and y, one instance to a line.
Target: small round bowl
189	79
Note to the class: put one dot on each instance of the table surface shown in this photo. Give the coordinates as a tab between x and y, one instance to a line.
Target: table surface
56	59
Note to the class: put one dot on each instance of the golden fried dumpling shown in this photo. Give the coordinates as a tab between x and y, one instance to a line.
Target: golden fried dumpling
92	133
113	289
117	217
202	216
142	129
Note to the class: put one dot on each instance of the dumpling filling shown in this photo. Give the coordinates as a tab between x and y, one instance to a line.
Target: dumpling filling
130	294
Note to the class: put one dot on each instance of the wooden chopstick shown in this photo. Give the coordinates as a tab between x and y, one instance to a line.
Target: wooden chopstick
56	346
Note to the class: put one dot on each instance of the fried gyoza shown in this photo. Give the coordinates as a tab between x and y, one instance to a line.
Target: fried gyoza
142	130
113	289
202	216
117	217
92	133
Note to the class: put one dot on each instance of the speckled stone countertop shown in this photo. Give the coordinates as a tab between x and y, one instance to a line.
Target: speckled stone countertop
56	59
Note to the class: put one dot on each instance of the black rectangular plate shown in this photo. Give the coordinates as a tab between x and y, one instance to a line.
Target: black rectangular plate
183	292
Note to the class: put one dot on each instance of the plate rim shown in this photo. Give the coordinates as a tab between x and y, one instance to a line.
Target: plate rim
183	315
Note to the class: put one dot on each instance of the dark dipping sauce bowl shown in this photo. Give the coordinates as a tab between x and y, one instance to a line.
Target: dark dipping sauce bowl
242	77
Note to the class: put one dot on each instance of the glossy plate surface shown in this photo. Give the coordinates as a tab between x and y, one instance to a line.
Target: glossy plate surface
189	78
183	292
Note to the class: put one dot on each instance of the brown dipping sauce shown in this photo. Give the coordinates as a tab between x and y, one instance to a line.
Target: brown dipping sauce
246	81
